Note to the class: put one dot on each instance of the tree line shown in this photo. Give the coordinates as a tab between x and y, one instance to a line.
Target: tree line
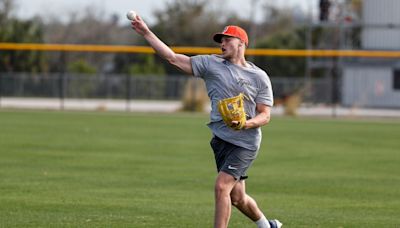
179	23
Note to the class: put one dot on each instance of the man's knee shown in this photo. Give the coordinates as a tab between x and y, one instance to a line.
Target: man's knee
224	184
237	200
221	189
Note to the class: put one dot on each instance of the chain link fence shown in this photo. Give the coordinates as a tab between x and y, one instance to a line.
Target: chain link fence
290	93
144	87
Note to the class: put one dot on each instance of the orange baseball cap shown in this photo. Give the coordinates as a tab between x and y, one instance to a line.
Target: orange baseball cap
233	31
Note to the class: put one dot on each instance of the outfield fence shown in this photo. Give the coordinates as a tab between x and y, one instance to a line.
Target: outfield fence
139	87
316	96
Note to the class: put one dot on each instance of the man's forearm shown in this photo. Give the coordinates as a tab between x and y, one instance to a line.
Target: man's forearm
258	121
180	61
160	47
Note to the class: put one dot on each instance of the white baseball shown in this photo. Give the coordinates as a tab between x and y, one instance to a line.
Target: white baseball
131	15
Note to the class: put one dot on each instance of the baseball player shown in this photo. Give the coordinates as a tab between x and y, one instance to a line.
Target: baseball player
235	143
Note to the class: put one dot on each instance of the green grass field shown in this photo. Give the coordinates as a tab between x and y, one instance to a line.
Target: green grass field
70	169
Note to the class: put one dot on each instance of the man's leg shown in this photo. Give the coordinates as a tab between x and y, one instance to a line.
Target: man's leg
223	187
244	202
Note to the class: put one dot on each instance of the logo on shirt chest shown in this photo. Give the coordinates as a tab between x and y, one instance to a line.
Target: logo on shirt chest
243	82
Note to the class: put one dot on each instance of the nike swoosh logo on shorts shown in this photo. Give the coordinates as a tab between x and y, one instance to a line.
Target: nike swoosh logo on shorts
231	167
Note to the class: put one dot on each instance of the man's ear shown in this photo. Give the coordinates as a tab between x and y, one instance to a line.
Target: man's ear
242	43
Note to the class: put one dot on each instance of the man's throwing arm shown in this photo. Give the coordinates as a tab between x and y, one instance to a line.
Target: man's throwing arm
182	62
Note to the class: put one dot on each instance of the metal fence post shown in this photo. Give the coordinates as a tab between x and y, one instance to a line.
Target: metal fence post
61	88
1	86
128	92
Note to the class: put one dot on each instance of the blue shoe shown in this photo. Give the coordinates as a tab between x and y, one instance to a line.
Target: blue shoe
275	223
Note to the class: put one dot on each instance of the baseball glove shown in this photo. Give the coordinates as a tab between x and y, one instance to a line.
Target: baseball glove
232	109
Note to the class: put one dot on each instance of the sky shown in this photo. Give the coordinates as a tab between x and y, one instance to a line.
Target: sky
26	9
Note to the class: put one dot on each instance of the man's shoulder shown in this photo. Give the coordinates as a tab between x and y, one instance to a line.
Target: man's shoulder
209	58
260	72
260	75
256	68
216	58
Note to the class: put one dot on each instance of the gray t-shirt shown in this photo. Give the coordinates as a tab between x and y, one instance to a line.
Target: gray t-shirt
224	79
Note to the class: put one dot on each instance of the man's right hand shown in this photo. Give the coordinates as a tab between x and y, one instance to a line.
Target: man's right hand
140	26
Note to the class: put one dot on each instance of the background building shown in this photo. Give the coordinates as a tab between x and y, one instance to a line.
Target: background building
375	82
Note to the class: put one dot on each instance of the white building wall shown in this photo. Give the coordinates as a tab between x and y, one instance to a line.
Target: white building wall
369	87
381	13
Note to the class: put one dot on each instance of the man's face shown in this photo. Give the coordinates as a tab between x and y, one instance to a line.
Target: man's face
230	46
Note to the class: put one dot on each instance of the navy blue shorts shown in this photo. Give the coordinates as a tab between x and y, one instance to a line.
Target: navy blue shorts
231	159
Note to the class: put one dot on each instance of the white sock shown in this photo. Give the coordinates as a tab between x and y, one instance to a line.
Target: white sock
263	223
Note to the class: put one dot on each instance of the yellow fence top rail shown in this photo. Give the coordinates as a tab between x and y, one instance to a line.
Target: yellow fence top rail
198	50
